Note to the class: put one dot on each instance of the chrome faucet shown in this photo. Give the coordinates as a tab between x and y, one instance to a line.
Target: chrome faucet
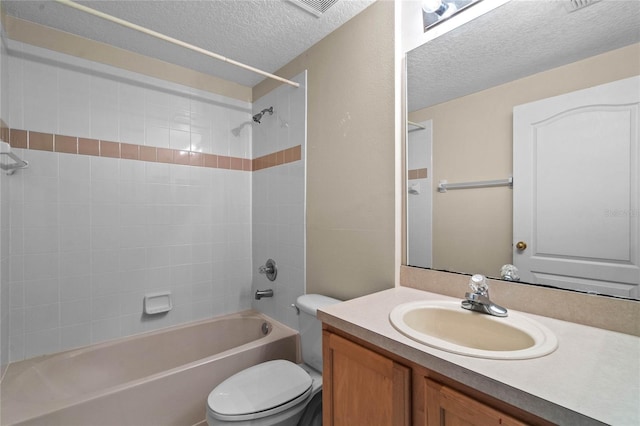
264	293
479	301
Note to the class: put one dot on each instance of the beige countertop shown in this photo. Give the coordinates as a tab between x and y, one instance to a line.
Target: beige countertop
593	377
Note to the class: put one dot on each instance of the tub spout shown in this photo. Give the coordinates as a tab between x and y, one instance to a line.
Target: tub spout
264	293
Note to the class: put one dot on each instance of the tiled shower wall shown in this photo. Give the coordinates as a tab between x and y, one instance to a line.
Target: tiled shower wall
279	201
90	235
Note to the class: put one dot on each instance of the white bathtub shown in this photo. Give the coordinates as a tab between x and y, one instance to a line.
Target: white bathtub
157	378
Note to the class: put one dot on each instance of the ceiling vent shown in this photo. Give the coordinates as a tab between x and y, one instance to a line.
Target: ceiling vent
315	7
573	5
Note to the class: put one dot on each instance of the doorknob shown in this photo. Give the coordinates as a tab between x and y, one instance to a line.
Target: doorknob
521	245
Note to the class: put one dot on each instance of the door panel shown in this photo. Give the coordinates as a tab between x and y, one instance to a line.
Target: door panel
576	189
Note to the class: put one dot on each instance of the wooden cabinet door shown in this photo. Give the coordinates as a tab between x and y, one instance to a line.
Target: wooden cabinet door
447	407
362	387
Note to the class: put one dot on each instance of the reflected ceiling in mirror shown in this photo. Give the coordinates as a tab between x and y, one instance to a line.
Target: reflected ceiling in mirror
517	39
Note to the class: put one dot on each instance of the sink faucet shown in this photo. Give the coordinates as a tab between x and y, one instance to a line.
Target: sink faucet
479	301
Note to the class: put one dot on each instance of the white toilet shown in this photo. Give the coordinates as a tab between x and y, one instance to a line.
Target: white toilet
277	392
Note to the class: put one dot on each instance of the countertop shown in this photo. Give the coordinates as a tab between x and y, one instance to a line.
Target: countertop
592	378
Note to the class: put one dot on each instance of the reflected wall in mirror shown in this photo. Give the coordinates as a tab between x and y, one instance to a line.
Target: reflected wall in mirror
466	84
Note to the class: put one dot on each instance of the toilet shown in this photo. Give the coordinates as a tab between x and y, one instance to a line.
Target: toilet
277	392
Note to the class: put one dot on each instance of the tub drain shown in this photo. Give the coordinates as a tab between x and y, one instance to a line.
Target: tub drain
266	328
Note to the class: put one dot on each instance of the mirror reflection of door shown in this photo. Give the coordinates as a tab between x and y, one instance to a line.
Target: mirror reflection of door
420	194
576	161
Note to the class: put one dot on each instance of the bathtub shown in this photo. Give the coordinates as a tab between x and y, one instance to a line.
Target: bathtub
157	378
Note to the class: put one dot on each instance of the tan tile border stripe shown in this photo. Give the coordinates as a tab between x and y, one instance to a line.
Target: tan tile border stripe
418	174
288	155
26	139
4	131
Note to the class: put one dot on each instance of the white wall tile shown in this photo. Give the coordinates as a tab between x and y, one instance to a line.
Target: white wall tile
16	93
75	288
159	278
104	168
104	261
105	307
74	264
132	128
93	234
40	95
180	139
105	329
46	162
36	214
42	317
75	312
41	342
75	336
134	214
135	280
40	240
104	109
105	237
74	94
221	126
105	215
43	292
40	266
73	190
105	283
157	173
131	170
105	192
157	136
133	258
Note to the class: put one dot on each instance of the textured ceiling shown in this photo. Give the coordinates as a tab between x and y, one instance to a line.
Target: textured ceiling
266	34
518	39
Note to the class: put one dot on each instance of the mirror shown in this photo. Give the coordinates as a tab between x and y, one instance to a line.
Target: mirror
461	91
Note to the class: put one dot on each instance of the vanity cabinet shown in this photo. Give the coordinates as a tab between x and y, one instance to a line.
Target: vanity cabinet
448	407
365	385
362	387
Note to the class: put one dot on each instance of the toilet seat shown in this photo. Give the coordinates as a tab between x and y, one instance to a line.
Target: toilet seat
260	391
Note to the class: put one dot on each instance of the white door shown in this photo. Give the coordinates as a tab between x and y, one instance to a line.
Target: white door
576	189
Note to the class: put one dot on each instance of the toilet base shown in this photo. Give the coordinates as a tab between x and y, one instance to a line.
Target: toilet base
287	418
312	415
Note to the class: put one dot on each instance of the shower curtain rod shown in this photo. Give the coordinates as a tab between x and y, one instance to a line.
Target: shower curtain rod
173	40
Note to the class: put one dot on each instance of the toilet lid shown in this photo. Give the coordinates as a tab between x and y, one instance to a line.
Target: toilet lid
259	388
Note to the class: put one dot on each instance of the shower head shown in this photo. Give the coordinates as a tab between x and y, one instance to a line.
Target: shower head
259	115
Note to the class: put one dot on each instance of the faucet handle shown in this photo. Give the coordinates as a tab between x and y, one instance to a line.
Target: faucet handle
478	284
269	269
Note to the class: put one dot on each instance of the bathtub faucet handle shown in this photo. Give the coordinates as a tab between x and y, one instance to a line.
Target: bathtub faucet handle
269	269
264	269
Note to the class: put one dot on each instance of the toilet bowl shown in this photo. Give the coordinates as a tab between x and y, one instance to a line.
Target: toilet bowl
277	392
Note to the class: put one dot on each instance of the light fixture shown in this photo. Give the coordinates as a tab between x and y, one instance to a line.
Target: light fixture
436	11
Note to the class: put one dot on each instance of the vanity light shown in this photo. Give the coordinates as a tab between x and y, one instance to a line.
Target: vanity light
435	11
438	7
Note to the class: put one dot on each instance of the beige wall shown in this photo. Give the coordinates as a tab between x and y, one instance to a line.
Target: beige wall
52	39
472	139
350	155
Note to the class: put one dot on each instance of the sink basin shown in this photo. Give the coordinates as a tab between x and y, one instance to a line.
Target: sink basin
445	325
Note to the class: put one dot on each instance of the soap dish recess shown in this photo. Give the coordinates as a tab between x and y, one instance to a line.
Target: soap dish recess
157	303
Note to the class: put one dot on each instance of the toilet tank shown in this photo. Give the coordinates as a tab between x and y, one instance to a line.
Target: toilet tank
311	328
